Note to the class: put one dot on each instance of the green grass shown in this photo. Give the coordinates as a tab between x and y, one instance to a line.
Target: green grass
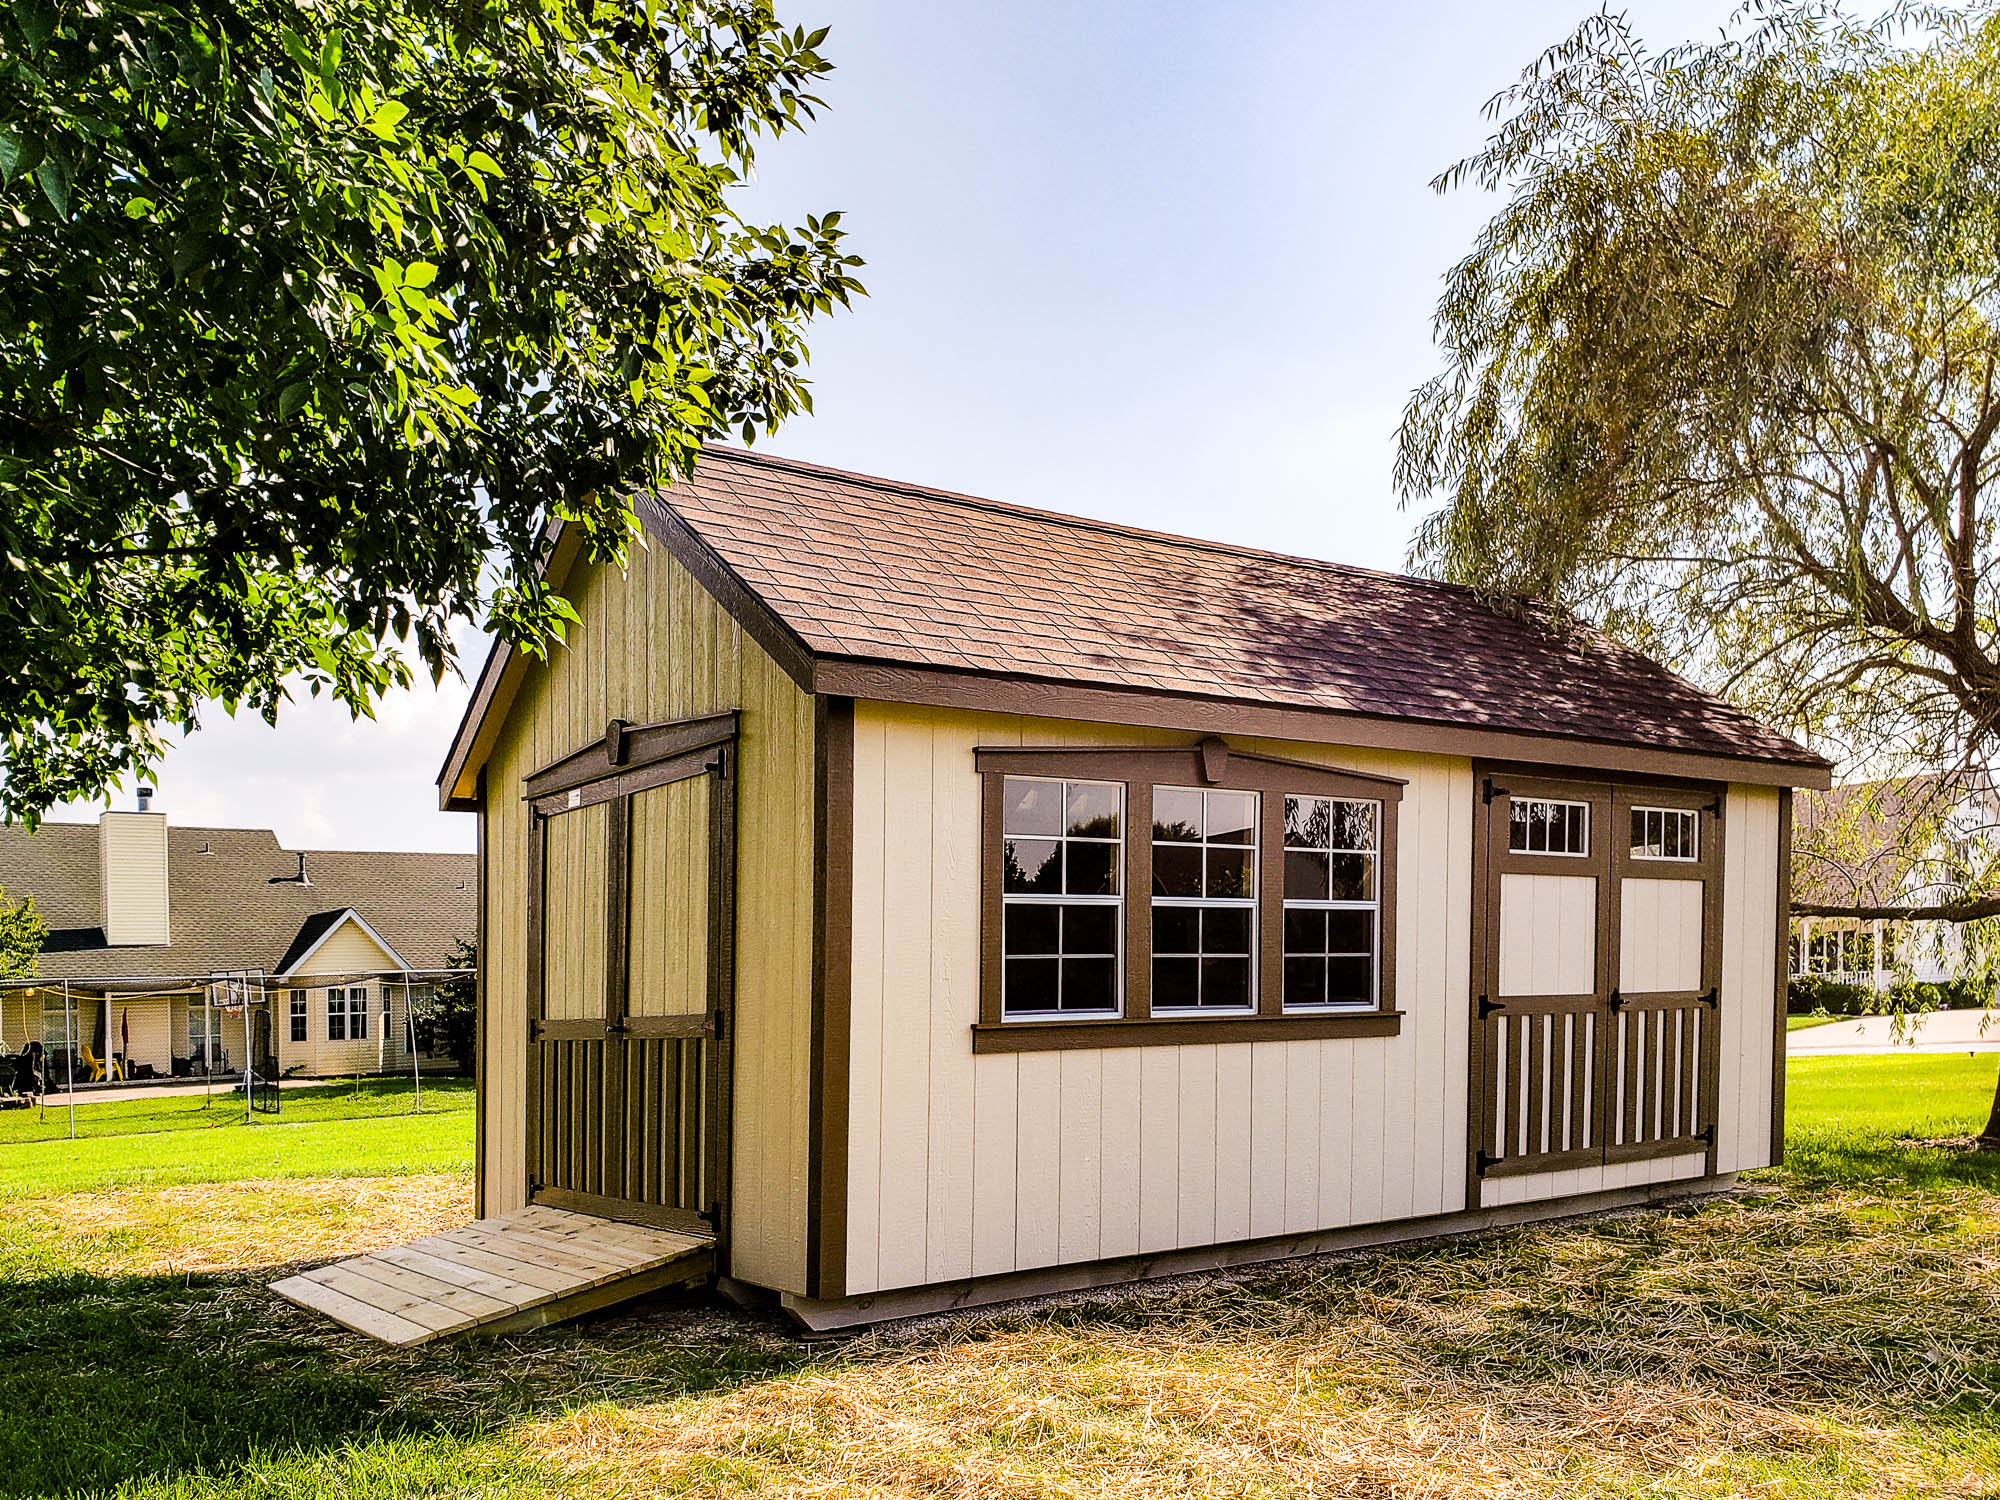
1926	1095
1832	1333
1803	1023
338	1131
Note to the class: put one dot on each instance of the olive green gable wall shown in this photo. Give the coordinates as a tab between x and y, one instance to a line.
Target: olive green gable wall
653	645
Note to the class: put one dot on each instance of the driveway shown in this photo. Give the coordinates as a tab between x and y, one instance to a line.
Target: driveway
1940	1031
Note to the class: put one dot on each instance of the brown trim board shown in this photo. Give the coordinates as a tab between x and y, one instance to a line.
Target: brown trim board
481	1069
832	999
499	678
778	639
1002	693
1781	961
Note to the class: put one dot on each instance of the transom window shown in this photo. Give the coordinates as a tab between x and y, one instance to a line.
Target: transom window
1542	825
1332	906
1665	833
1062	887
1204	899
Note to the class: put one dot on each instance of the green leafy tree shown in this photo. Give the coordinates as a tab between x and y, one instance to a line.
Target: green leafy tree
22	933
455	1009
1721	371
307	311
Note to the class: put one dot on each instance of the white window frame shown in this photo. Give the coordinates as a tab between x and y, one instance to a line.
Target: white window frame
1692	822
1197	903
1059	898
298	1027
1374	1000
1515	803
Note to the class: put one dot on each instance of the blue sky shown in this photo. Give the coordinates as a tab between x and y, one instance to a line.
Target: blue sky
1171	264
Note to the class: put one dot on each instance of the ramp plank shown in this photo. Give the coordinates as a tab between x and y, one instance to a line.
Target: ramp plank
506	1274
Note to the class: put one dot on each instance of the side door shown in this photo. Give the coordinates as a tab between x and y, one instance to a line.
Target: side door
630	970
1598	958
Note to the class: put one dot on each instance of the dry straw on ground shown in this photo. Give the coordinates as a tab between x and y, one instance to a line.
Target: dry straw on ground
250	1225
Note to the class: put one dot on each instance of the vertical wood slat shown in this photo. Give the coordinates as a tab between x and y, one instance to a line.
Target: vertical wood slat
1537	1029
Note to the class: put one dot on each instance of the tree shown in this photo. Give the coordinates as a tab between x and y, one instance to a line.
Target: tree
22	933
306	312
455	1009
1721	372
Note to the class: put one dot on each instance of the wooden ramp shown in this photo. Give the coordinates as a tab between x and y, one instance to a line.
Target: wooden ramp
521	1270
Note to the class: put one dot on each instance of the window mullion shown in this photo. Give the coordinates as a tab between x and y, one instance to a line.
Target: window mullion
1139	900
1271	904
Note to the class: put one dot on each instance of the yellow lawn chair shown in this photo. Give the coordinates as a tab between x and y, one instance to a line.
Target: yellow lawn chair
99	1067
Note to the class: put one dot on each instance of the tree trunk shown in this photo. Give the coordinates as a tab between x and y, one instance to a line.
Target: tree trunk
1989	1139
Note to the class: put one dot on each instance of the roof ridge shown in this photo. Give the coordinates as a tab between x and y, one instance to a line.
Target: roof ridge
1082	523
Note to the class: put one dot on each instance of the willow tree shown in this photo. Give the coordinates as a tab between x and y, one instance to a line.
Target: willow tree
309	312
1723	371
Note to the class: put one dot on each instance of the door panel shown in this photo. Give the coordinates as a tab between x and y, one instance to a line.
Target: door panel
628	934
1597	961
1548	934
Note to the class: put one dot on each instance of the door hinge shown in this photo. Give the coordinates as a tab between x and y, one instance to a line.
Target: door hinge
711	1216
1493	791
534	1032
1714	806
615	1028
1487	1006
1706	1135
720	1021
1616	1001
1713	1000
534	1185
1484	1162
720	765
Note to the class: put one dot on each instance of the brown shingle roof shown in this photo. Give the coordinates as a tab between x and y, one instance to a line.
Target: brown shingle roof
224	910
877	571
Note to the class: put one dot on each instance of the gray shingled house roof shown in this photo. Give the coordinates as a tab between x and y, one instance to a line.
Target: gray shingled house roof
234	901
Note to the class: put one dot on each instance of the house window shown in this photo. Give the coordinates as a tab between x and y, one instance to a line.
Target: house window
1265	890
58	1030
1332	906
1542	825
1204	900
1667	833
347	1014
298	1009
1063	905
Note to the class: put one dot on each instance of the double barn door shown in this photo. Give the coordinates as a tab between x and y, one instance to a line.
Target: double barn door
1598	921
630	923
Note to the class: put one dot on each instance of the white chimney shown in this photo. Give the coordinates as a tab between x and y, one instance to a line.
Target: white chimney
132	872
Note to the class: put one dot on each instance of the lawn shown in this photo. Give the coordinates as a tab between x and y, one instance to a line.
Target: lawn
1802	1023
138	1143
1834	1331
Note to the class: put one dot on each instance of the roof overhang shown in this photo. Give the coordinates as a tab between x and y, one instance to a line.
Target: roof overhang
938	687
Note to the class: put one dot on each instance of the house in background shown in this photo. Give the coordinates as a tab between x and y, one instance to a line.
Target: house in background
930	901
149	923
1908	841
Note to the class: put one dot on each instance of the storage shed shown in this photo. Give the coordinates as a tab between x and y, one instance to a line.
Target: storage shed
937	901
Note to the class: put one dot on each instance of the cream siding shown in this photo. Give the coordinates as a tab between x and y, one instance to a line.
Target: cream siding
351	958
652	645
963	1165
132	869
1659	935
1548	934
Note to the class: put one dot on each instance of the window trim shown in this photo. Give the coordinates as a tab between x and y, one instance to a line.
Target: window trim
298	1029
1590	826
1115	902
1211	766
1663	808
